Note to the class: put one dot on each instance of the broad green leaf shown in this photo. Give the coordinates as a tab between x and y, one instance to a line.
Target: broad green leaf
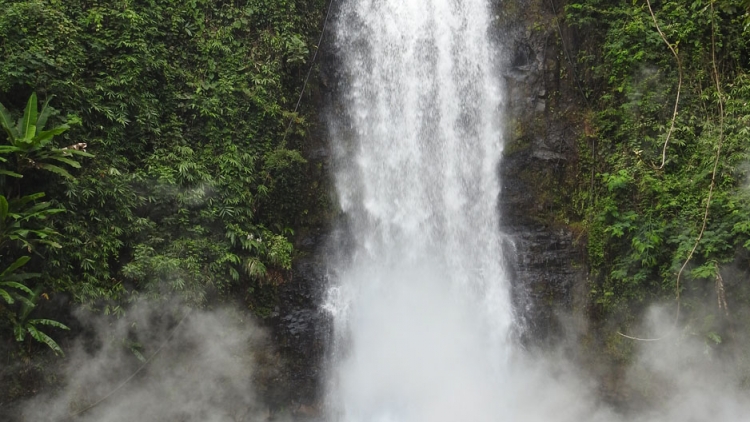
17	286
34	332
19	332
43	208
49	322
28	124
55	169
11	173
43	138
44	115
20	262
67	161
3	208
79	152
44	338
28	305
20	277
6	121
26	199
138	354
7	149
8	299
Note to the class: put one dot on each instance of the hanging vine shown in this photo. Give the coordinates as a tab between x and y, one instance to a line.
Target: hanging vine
640	248
679	84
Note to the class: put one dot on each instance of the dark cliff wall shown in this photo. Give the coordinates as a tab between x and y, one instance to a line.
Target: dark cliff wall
300	329
539	171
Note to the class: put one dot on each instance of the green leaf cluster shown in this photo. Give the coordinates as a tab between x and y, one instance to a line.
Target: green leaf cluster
184	105
29	147
643	219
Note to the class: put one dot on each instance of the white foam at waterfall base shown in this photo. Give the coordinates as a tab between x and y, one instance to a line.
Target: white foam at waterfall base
416	351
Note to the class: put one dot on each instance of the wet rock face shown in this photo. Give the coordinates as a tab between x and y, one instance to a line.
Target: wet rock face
300	329
537	171
299	336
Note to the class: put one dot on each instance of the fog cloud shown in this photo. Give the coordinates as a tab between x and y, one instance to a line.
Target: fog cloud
203	368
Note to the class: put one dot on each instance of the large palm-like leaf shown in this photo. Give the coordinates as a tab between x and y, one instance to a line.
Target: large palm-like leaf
31	143
27	147
24	326
27	125
9	280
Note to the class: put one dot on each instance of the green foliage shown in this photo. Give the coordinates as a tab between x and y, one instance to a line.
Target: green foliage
29	142
185	105
24	326
19	220
13	281
28	147
643	220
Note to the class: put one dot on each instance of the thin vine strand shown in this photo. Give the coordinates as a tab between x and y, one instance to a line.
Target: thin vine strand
309	72
679	85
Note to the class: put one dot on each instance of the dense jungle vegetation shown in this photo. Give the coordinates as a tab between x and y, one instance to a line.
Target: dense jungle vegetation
168	169
145	152
663	197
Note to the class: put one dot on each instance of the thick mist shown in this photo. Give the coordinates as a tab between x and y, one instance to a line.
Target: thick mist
204	368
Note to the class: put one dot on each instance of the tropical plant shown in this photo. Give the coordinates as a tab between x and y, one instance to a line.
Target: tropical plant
24	326
197	187
9	280
29	147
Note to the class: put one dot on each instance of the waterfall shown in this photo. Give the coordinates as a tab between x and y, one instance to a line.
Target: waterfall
421	305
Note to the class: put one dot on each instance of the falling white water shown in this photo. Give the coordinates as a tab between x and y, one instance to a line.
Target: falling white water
421	308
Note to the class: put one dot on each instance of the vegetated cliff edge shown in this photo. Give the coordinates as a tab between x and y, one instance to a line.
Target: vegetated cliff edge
605	212
540	172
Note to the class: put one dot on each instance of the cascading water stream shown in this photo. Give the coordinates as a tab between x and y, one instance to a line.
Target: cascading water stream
421	310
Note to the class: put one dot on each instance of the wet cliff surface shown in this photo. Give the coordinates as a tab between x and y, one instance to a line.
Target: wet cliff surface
545	255
538	171
300	329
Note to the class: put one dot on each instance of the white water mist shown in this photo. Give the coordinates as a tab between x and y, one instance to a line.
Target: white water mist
421	310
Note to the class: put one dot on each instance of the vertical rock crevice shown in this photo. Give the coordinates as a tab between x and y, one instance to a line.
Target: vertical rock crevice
539	171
